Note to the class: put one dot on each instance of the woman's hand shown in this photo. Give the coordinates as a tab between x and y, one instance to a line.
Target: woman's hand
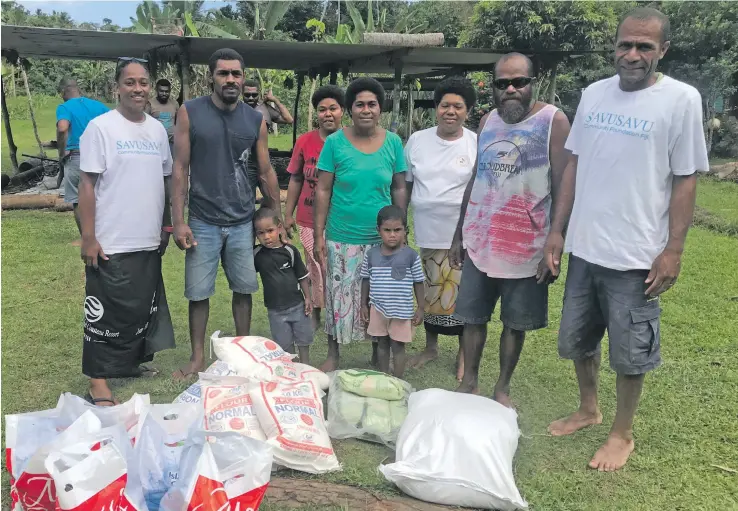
456	253
319	251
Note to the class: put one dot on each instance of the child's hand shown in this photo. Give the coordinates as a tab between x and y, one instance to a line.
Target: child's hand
365	314
418	318
308	307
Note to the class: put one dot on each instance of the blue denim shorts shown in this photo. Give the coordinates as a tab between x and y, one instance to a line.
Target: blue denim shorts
71	178
598	299
233	245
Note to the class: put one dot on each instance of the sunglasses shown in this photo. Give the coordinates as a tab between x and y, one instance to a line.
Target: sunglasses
250	94
518	83
132	59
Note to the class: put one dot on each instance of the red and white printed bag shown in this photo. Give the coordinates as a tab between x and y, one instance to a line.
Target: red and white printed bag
220	472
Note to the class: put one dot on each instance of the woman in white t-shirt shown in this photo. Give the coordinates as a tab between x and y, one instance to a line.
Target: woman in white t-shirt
440	162
124	212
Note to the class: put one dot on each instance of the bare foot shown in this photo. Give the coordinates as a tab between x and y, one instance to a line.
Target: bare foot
330	364
187	371
468	388
613	454
503	398
574	422
419	360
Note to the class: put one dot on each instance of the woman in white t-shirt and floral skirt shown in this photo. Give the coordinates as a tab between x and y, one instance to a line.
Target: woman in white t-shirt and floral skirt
440	162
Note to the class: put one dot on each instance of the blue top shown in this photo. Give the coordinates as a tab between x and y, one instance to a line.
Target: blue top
79	112
391	279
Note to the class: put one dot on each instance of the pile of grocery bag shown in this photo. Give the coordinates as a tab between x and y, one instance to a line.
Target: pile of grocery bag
253	411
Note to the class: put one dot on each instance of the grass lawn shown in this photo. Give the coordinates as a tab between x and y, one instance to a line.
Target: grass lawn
719	198
45	111
685	430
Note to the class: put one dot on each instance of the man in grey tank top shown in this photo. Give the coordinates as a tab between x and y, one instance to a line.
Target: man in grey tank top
215	137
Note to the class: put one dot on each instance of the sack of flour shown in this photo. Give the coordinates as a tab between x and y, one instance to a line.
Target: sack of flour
457	449
291	415
228	406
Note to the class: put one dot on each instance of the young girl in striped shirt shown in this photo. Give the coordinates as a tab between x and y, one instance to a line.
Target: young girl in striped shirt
391	274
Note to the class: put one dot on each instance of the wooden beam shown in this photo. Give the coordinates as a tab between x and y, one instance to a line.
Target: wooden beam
8	132
396	92
300	79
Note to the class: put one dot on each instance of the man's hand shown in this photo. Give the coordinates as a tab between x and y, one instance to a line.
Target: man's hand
319	251
418	318
91	250
164	242
365	314
543	274
183	237
308	306
552	252
270	97
289	224
456	254
664	272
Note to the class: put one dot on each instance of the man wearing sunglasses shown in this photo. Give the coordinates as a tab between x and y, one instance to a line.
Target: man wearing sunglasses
505	217
215	138
164	108
627	196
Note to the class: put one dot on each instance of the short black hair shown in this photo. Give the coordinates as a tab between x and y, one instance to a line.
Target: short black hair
263	213
251	83
516	55
391	212
67	83
456	85
224	54
329	91
163	81
122	64
645	14
364	84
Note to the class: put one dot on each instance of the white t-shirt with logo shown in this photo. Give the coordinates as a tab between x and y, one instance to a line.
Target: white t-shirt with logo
439	170
630	145
131	160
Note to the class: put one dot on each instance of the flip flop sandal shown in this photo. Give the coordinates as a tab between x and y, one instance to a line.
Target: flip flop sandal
96	400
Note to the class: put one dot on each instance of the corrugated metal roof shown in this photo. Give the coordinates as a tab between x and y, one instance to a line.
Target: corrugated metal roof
360	58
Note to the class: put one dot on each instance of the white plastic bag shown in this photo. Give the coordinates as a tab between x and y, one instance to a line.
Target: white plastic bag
220	471
291	415
33	489
228	406
159	447
365	418
457	449
193	393
92	474
126	414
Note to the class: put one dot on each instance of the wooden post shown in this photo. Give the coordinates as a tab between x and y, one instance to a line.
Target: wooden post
410	108
8	132
30	108
396	93
334	76
184	72
300	79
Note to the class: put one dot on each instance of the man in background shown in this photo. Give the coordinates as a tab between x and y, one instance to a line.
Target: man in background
72	118
163	108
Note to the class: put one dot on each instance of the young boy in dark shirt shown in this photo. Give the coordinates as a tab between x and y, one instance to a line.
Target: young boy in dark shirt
285	281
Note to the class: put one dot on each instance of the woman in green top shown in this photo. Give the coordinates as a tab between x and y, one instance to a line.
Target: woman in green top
361	170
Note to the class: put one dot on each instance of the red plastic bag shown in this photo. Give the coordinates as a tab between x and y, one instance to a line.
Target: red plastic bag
33	488
220	472
91	475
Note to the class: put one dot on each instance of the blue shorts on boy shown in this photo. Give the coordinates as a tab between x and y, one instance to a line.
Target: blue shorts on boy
281	271
391	280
